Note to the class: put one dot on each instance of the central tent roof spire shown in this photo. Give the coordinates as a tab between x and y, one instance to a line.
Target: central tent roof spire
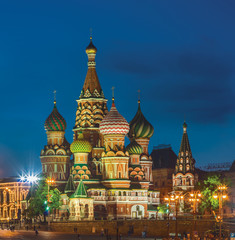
91	87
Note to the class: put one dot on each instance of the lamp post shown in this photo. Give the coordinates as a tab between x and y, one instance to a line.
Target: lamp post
221	194
168	199
175	197
49	182
194	199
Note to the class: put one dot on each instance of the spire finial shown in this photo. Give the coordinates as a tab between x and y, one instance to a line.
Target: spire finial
139	96
113	94
91	34
54	97
185	127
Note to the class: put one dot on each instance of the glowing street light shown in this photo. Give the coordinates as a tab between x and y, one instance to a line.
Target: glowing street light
49	182
221	194
174	197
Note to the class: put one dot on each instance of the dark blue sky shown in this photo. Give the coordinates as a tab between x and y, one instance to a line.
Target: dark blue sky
180	54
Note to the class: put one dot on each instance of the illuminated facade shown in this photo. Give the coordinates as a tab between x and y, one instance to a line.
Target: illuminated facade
117	180
12	198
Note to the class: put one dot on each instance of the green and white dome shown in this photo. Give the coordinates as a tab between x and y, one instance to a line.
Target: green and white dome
134	148
139	126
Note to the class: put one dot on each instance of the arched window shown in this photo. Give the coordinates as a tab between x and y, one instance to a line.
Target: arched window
86	211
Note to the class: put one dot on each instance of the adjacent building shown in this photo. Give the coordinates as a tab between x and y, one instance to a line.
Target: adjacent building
12	198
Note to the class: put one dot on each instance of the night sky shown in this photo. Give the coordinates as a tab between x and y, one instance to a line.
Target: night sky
180	54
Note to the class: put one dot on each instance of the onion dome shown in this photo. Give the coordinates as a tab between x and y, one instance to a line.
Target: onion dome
55	122
91	48
80	145
139	126
134	148
114	123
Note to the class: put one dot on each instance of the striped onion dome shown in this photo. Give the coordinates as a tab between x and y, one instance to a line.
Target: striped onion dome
114	123
55	122
80	145
134	148
139	126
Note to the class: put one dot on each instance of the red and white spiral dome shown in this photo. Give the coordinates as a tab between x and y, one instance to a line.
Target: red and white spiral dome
114	123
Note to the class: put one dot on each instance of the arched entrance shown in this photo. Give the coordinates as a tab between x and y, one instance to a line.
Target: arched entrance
100	212
137	212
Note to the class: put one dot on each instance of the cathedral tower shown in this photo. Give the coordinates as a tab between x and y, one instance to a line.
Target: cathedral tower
141	131
91	105
184	177
55	157
80	149
136	171
114	159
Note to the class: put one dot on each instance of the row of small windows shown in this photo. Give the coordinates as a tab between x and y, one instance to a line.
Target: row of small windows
186	153
9	196
119	193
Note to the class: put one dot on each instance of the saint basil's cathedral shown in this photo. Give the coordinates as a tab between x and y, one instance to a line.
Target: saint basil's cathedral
98	176
105	178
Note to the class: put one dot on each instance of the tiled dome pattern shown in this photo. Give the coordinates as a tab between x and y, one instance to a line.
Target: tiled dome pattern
114	123
136	173
55	122
81	172
80	145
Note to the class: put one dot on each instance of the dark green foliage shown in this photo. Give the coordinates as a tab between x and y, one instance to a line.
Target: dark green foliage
208	188
162	208
38	196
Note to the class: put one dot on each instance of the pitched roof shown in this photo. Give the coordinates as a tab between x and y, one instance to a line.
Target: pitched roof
185	146
91	87
80	191
70	186
185	162
232	168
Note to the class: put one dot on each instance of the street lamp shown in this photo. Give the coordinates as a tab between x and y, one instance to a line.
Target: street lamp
168	199
174	197
194	199
221	194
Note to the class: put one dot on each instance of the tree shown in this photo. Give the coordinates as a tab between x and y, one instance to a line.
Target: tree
162	208
38	197
208	188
